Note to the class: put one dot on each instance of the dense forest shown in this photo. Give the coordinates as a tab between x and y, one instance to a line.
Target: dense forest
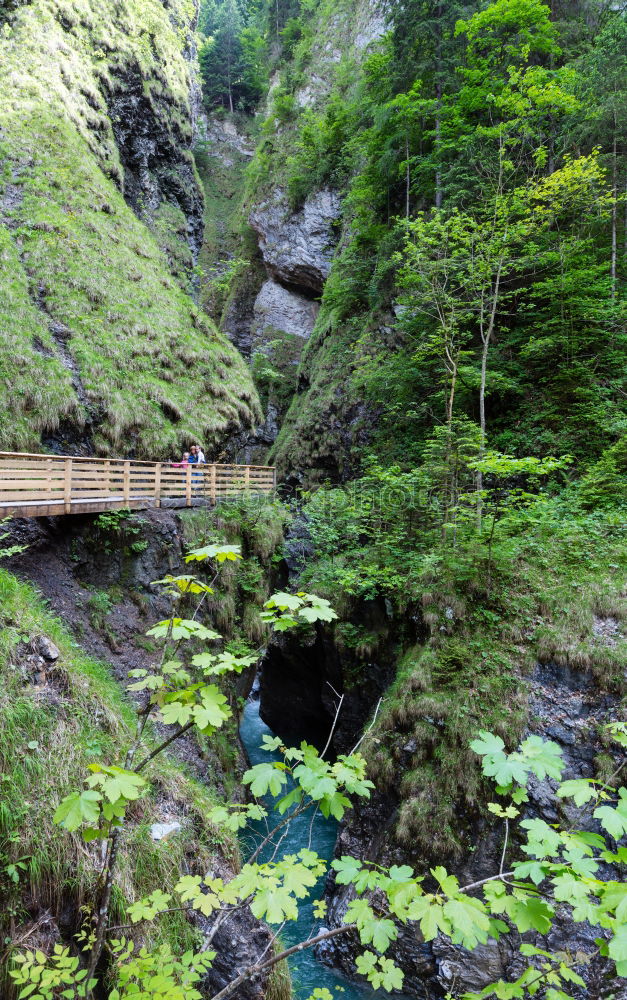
365	734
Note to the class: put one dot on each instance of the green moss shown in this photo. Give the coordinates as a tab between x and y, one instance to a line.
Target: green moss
486	624
131	355
321	419
226	251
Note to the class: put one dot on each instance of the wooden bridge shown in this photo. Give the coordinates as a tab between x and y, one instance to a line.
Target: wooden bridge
44	485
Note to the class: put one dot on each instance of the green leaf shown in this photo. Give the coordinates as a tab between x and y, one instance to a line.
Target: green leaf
213	709
271	743
470	921
274	904
284	602
534	870
448	883
176	713
614	820
487	744
186	584
543	841
383	933
321	611
532	914
617	950
182	628
578	789
347	869
366	963
431	916
264	778
147	909
117	783
221	553
390	977
544	757
78	808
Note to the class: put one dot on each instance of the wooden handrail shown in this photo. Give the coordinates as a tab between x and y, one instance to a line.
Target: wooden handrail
34	485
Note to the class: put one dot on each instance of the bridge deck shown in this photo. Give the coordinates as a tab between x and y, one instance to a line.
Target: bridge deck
46	485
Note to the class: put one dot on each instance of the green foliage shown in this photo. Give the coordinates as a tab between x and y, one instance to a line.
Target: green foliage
9	550
146	974
499	126
232	57
272	889
284	611
120	529
52	733
565	862
42	980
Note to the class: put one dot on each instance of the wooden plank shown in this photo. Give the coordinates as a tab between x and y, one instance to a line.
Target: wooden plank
32	484
35	485
14	496
101	474
26	475
67	491
188	485
158	484
127	484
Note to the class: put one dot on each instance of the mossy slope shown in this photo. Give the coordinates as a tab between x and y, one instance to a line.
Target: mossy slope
98	339
55	721
555	584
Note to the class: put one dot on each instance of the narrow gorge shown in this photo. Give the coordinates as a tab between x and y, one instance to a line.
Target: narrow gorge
364	734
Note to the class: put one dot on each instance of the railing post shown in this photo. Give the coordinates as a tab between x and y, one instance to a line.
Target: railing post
107	482
274	479
212	486
188	486
67	486
158	484
127	481
247	477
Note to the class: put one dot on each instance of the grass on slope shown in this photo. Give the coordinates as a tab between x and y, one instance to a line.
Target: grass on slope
95	329
52	729
549	587
554	576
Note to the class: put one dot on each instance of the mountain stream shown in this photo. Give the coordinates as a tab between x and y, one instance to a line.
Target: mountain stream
319	834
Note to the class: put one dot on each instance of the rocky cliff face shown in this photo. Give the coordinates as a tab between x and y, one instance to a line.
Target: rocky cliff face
565	706
100	222
322	428
273	304
297	247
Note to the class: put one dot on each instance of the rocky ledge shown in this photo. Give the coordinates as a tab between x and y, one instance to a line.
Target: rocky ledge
297	247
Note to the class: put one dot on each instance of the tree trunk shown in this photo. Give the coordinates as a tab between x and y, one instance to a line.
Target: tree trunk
486	337
407	176
614	213
103	906
438	172
438	97
479	476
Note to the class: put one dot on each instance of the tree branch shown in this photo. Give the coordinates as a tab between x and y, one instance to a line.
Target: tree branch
255	970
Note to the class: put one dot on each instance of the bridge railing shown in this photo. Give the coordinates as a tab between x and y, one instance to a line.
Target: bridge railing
34	485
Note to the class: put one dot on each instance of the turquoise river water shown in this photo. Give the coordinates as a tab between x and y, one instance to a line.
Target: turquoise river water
307	972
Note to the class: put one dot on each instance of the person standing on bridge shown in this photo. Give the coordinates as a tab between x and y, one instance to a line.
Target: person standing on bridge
195	459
